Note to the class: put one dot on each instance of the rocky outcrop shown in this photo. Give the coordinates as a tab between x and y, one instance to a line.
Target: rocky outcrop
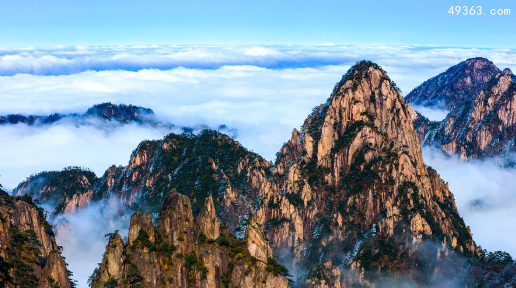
207	222
460	83
484	127
493	269
120	113
179	252
353	181
257	246
29	255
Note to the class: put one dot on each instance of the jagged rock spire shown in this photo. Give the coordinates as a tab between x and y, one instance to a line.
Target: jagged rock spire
176	217
174	258
207	221
256	244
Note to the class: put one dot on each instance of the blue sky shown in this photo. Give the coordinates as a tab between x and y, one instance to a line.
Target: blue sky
130	22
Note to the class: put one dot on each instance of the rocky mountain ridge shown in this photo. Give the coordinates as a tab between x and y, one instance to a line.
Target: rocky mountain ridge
460	83
484	127
481	128
353	180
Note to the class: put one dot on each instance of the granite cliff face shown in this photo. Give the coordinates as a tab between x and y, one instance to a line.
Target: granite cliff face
353	181
484	127
29	255
460	83
185	252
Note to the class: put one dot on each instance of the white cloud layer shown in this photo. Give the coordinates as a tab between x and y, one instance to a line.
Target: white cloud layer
263	100
60	60
485	195
263	104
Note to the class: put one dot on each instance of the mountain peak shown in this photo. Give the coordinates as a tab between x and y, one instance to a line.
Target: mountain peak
362	69
357	172
462	82
364	98
120	112
481	128
478	61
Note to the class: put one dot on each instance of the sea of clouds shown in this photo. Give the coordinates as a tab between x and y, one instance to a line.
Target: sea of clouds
63	60
261	91
485	195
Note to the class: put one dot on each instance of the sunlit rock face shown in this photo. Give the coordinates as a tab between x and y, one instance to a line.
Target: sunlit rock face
460	83
29	255
480	124
352	181
181	252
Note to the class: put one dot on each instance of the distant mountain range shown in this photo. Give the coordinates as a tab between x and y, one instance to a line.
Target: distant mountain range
113	115
482	123
348	199
106	112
